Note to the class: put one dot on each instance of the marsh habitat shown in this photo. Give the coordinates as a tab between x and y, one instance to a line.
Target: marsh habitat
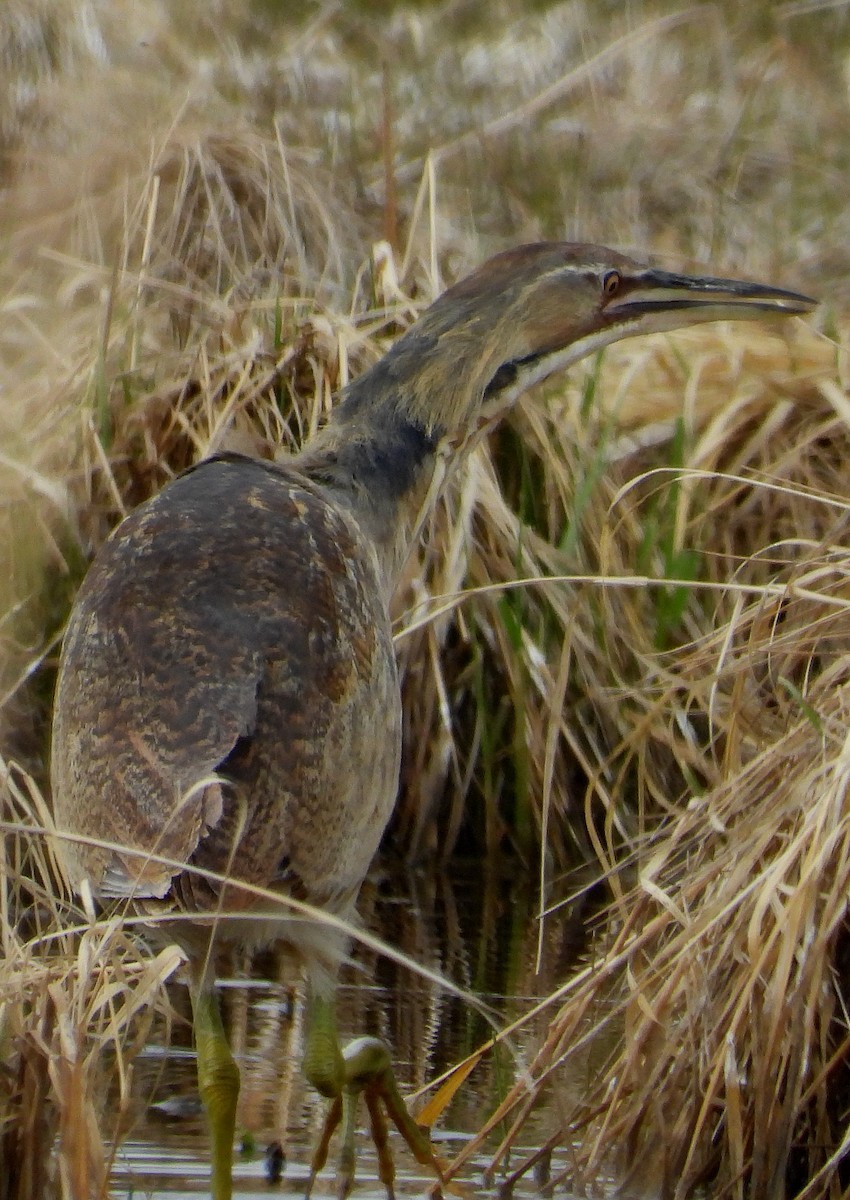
215	215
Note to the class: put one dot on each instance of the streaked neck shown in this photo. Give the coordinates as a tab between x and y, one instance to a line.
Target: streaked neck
379	465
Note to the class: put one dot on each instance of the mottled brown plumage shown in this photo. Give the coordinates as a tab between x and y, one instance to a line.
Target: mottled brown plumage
227	698
231	642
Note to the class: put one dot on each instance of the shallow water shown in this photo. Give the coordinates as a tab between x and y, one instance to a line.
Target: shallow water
477	930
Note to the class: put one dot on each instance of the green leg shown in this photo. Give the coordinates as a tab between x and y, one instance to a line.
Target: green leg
348	1153
323	1065
416	1136
320	1156
369	1069
380	1136
364	1066
218	1084
324	1069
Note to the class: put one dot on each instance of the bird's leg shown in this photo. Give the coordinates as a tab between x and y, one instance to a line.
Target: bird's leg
323	1062
369	1069
363	1066
218	1084
320	1155
380	1136
325	1070
348	1153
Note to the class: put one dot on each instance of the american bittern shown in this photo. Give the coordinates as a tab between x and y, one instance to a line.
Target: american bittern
228	699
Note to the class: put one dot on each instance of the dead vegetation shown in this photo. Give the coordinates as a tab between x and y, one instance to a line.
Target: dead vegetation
207	229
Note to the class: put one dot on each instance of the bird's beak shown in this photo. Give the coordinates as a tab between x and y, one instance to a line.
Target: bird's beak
658	300
648	301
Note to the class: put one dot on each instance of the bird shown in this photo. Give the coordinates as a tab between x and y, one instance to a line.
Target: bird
227	729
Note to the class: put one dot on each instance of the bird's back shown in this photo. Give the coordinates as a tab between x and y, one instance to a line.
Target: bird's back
228	694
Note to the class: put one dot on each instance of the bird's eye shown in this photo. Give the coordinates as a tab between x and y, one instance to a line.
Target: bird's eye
611	283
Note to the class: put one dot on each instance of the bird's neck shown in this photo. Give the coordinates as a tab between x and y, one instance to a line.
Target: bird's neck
379	461
381	451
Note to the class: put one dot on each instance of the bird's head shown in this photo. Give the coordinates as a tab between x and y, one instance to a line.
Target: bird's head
534	310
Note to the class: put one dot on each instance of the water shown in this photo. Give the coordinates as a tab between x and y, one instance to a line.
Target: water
476	929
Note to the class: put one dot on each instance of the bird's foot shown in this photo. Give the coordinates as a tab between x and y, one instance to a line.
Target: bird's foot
367	1070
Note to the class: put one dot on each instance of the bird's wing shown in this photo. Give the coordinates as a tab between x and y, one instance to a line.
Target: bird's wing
167	649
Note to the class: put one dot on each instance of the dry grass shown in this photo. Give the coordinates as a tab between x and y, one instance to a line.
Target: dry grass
189	260
77	999
720	974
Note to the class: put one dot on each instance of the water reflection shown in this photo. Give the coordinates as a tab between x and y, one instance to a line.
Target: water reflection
475	928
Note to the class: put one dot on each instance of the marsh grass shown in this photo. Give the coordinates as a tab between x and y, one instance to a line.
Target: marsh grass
624	636
77	1000
722	961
